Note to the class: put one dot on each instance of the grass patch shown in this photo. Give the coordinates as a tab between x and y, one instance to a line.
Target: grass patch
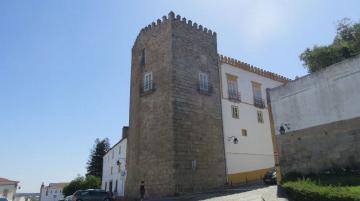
324	187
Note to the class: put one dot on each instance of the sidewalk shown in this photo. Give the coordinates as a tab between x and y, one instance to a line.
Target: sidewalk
254	192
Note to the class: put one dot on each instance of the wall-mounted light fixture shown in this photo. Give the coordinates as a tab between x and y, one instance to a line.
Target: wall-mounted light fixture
283	128
233	139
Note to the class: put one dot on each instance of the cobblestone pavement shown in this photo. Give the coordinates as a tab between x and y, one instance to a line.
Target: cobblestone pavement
255	192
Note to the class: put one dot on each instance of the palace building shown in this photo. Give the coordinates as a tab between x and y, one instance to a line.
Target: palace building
198	120
246	125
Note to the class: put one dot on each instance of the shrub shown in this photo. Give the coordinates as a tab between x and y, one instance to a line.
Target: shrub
307	189
81	183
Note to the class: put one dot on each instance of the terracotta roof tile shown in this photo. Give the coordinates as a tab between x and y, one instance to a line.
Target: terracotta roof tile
4	181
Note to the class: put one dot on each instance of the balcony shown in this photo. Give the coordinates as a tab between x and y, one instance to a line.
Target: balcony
205	91
148	90
259	102
234	96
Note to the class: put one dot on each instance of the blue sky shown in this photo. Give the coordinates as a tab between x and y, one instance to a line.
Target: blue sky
65	67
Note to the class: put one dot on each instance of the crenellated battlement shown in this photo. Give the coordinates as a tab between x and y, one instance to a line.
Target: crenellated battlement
171	18
253	69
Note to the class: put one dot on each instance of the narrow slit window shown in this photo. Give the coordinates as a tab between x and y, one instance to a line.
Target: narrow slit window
142	57
260	117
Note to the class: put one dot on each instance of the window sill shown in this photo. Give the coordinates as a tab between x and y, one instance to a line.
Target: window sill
148	92
236	100
207	92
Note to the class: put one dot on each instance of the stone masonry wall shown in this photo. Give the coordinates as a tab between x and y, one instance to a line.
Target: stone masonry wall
197	116
150	156
174	125
315	149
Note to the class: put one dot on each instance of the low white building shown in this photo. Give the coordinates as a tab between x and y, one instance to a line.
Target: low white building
8	188
114	167
248	139
52	192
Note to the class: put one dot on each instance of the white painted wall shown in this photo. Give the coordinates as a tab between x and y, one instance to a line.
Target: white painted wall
254	151
323	97
11	191
22	198
51	193
116	153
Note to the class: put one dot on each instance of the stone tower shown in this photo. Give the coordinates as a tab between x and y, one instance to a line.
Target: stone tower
175	141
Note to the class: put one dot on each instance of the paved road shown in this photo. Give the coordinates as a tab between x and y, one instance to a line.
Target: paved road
243	193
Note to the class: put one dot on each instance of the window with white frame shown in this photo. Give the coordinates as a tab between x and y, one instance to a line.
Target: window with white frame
148	81
232	87
260	116
203	81
235	111
257	90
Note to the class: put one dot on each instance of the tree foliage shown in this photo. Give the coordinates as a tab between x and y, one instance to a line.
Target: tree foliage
95	163
82	183
346	44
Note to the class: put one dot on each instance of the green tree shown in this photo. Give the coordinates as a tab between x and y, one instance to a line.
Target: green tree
82	183
95	163
91	182
73	186
346	44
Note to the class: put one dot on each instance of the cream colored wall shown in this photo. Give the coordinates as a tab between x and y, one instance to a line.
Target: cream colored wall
254	151
110	161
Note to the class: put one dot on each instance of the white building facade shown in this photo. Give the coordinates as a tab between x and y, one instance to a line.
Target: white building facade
114	169
8	189
247	134
52	192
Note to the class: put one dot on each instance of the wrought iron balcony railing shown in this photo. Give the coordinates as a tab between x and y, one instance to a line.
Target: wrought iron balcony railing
259	102
204	90
234	96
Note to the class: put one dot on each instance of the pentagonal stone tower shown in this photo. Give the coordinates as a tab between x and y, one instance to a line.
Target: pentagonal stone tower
175	141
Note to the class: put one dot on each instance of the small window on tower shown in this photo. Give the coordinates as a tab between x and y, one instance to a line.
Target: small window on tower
148	81
235	111
142	57
203	82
